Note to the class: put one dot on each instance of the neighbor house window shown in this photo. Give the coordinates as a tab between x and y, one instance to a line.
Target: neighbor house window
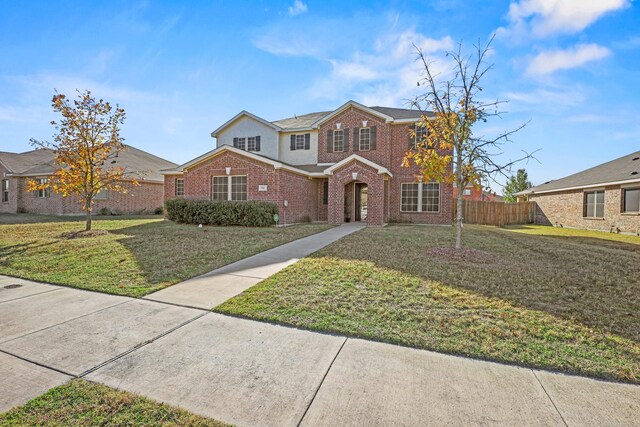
231	187
179	186
5	190
102	194
44	192
365	139
594	204
338	140
466	192
631	200
420	197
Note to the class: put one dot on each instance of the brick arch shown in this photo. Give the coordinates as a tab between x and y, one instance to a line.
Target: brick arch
343	177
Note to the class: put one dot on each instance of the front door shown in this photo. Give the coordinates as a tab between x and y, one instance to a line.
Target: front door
361	202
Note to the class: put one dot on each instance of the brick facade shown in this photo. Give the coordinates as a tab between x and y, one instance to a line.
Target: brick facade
143	198
565	208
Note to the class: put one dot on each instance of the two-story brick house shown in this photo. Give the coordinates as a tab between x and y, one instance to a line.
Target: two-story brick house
336	166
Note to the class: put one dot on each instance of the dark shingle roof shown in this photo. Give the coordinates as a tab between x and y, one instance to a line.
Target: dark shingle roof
400	113
624	168
302	121
136	163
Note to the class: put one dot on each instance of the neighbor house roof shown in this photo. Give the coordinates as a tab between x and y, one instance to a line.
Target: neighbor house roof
625	169
136	163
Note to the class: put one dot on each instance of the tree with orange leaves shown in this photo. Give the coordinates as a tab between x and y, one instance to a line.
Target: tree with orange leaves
448	150
86	143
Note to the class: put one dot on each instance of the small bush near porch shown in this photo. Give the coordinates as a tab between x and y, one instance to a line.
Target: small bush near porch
536	296
128	255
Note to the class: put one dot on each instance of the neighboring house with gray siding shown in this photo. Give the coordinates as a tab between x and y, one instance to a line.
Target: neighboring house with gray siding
605	197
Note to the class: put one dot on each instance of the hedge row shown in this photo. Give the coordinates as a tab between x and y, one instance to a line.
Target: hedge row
248	214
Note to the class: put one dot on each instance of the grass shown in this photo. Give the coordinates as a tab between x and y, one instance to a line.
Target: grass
82	403
139	255
540	297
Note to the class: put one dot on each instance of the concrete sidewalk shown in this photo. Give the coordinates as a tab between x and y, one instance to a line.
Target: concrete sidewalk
253	373
215	287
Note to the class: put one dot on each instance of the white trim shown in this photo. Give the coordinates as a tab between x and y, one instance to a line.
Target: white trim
381	169
387	119
325	164
600	184
241	114
420	197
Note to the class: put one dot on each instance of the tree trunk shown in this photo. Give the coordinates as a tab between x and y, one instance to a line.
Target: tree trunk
87	208
459	221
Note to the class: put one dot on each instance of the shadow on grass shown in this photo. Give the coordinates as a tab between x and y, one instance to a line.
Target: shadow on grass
592	281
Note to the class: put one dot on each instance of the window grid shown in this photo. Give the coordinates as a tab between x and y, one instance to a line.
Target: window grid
631	199
421	133
5	190
338	140
251	143
219	188
365	139
179	187
242	143
44	192
409	197
239	188
299	142
431	197
594	204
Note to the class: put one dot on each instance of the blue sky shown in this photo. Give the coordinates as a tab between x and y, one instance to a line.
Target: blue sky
571	67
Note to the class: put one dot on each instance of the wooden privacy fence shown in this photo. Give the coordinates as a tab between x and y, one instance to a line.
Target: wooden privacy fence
495	213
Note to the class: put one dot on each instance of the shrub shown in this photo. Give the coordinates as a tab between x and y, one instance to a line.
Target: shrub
158	211
105	211
248	214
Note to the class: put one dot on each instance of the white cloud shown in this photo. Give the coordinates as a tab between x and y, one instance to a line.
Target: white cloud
297	8
548	62
385	74
542	18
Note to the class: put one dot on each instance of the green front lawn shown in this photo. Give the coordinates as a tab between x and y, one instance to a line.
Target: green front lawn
544	298
82	403
139	255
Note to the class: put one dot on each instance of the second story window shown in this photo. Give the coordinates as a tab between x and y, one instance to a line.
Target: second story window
300	142
338	140
251	143
365	139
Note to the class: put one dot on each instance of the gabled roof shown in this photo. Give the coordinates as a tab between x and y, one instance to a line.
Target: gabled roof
224	148
625	169
355	157
354	104
244	113
304	121
136	163
401	114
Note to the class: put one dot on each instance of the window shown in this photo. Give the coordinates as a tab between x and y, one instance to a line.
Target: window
45	192
409	197
631	200
179	186
5	190
325	193
431	197
421	134
466	192
238	188
251	143
365	139
241	144
299	142
220	188
229	188
338	140
594	204
102	194
420	197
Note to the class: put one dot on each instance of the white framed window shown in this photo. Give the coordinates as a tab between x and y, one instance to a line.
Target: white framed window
44	192
242	143
251	143
5	190
364	139
631	200
102	194
179	186
229	187
420	134
299	145
338	140
420	197
466	192
594	204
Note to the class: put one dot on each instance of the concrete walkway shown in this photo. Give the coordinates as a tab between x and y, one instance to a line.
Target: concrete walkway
214	288
252	373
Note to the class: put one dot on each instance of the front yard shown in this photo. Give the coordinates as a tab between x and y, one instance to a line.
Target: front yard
139	255
535	296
